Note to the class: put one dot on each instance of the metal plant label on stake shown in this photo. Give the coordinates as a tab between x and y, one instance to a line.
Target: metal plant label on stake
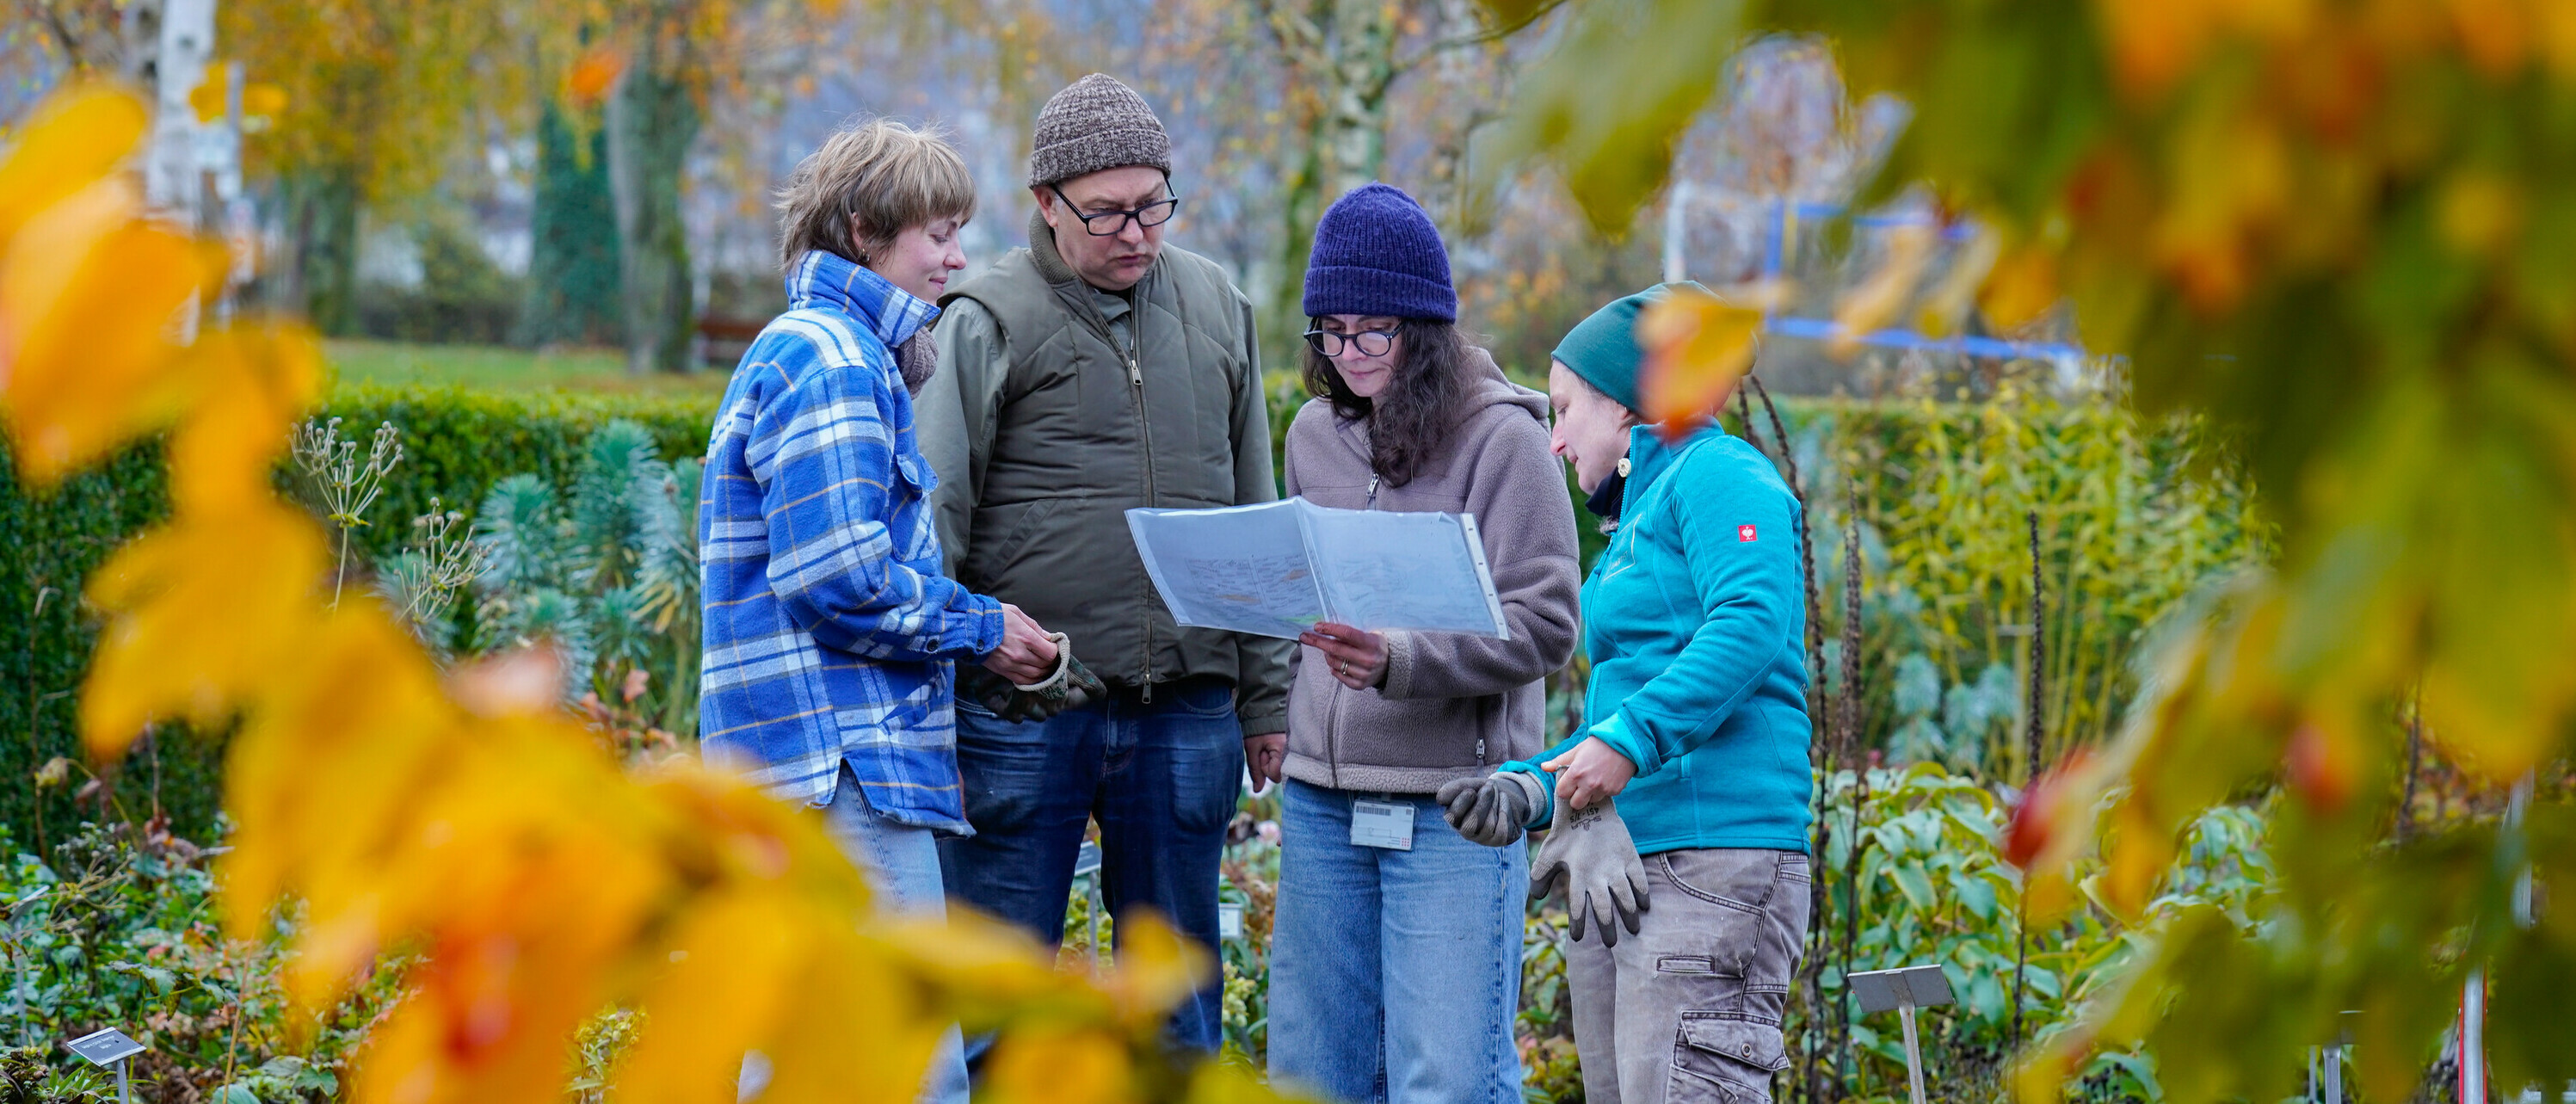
1904	989
108	1048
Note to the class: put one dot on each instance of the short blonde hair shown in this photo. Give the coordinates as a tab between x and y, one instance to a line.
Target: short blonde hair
885	176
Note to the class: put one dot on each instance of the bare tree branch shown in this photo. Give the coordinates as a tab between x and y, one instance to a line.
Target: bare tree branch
1489	33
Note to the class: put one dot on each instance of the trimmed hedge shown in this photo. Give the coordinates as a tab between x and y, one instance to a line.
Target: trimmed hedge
55	539
456	444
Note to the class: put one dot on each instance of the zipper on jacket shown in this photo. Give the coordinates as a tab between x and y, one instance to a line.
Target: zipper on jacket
1090	312
1372	492
1480	751
1145	437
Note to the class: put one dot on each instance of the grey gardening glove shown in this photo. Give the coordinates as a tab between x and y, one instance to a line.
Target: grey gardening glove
1492	809
1589	850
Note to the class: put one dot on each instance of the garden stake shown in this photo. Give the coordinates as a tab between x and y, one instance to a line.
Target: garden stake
1903	990
108	1048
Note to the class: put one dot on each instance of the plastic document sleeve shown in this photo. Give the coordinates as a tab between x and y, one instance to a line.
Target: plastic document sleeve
1278	568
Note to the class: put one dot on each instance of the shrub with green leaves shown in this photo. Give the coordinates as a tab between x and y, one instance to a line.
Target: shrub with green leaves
116	926
605	570
1913	865
2133	518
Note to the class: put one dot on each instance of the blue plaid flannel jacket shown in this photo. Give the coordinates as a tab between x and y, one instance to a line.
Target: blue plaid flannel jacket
831	636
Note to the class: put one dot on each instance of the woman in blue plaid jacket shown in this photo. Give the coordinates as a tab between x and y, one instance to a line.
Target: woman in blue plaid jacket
831	636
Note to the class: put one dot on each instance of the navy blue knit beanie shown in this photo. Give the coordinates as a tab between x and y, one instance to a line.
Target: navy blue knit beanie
1377	254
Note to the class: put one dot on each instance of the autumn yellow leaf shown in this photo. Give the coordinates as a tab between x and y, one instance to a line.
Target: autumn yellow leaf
70	142
1156	968
1945	304
2479	212
320	781
2205	238
2495	34
1227	1083
2022	283
208	98
2040	1078
249	385
1697	344
722	996
593	74
985	965
1059	1066
262	101
1875	301
199	616
845	990
91	303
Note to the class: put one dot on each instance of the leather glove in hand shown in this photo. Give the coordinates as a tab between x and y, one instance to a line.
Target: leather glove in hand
1492	809
1589	850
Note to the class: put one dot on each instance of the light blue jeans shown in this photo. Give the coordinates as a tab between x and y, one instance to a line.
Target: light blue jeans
902	867
1394	975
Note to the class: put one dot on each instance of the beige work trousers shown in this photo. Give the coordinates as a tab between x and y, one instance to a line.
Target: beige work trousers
1688	1009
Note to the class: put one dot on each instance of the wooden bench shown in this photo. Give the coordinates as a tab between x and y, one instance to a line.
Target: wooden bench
722	341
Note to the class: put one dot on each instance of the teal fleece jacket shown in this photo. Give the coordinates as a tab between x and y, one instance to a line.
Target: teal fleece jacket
1695	619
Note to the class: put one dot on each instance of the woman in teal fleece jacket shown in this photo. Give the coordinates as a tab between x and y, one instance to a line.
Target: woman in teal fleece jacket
1695	722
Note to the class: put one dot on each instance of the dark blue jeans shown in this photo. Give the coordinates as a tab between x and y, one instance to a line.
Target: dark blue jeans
1162	780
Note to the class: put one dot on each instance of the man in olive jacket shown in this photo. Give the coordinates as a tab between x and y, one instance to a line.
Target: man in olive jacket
1091	373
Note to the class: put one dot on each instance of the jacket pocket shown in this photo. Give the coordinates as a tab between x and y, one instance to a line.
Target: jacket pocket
1724	1061
909	499
1013	525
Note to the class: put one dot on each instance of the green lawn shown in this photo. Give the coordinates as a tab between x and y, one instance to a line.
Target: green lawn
497	368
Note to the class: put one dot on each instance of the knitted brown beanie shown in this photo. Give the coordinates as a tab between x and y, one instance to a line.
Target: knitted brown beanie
1096	123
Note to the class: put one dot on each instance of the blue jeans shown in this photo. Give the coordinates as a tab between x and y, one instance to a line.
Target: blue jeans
902	866
1161	778
1394	975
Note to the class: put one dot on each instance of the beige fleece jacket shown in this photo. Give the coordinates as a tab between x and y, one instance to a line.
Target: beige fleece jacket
1451	706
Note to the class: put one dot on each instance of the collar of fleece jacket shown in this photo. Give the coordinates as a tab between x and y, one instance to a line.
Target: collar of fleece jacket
822	278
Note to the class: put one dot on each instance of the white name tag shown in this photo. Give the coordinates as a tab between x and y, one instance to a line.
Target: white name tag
1382	824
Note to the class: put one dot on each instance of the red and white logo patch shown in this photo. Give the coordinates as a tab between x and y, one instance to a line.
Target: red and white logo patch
1744	534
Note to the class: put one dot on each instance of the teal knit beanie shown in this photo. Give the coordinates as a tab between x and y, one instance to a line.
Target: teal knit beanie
1603	348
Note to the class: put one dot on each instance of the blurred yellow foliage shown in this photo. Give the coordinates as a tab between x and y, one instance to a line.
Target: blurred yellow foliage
2345	232
1698	344
467	815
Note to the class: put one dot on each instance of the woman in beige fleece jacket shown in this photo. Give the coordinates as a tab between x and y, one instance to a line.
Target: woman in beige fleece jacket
1395	959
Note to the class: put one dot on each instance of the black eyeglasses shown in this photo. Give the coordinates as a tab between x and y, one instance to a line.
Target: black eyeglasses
1152	214
1329	343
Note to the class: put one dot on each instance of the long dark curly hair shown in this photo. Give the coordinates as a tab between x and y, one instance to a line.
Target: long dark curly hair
1410	421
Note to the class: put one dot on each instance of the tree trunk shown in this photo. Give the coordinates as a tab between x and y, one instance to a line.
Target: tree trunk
651	119
321	275
573	278
1347	49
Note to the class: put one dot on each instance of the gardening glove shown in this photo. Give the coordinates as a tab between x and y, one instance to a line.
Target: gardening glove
1492	809
1072	686
1590	852
986	689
